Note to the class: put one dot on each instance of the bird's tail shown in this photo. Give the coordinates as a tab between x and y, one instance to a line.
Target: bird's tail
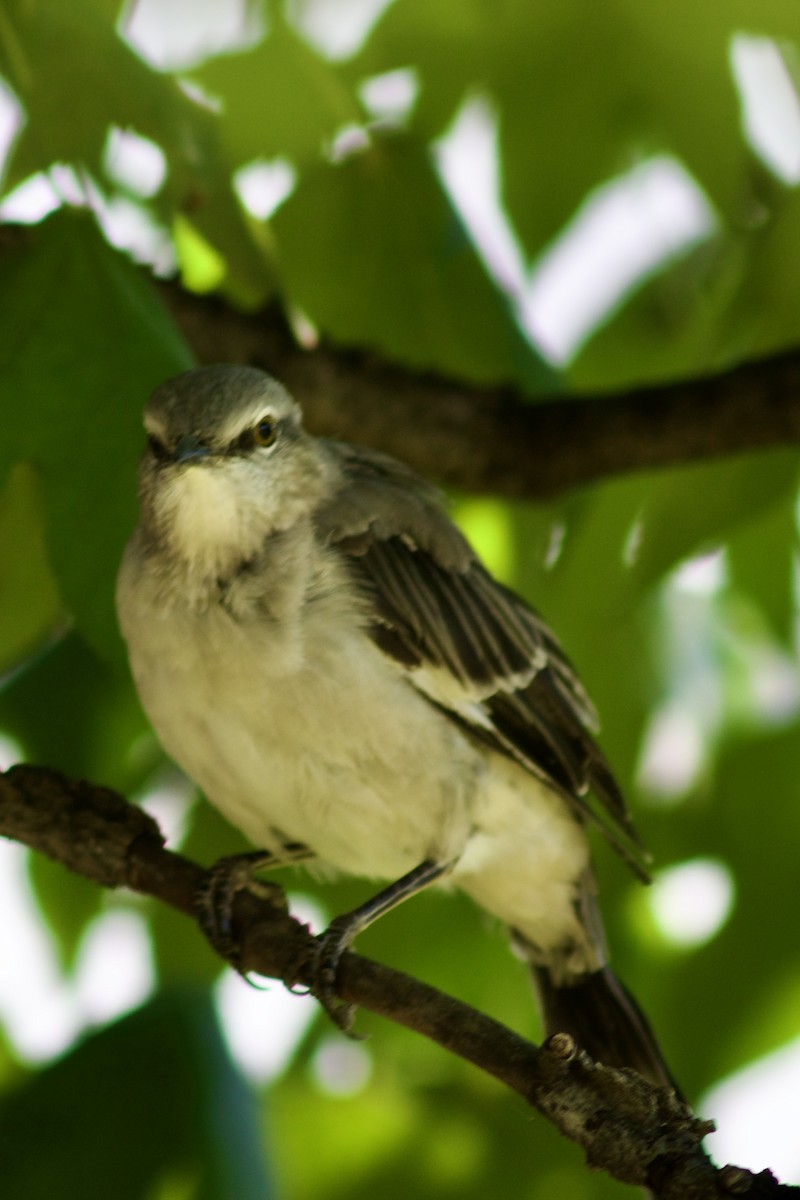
605	1021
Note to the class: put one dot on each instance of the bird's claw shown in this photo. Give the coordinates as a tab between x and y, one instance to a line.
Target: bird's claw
330	946
215	899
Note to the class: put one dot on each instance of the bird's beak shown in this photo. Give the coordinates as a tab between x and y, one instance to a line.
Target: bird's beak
190	447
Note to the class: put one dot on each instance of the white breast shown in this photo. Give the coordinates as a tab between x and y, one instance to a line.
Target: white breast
295	732
303	730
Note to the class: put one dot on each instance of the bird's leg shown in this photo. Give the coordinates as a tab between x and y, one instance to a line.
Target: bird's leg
233	874
342	931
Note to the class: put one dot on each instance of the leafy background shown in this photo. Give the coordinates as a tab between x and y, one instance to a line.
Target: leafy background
693	666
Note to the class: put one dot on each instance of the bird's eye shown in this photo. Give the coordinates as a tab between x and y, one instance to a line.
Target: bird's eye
157	448
265	432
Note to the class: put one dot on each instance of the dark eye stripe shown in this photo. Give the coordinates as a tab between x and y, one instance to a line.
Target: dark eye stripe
157	448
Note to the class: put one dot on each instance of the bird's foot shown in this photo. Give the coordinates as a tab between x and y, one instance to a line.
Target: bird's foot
330	946
215	899
342	931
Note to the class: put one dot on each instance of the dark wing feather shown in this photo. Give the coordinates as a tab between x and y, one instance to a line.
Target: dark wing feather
432	606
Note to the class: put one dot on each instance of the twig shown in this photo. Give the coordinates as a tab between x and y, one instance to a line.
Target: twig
638	1133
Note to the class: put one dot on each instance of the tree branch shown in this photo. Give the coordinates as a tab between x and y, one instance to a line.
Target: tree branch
491	439
640	1134
484	439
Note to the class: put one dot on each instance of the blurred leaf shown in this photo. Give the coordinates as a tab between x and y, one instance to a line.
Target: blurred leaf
583	92
486	523
604	87
374	253
181	953
620	540
459	33
30	607
628	533
279	98
589	584
83	340
767	304
71	711
762	562
441	1131
691	509
215	215
210	836
441	938
152	1097
39	46
676	322
726	988
202	268
68	903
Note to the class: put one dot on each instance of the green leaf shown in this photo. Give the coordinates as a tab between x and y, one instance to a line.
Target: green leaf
279	98
149	1101
765	311
677	322
83	340
750	813
692	509
425	1126
39	46
30	607
762	561
68	903
448	44
597	607
70	710
374	253
583	91
244	271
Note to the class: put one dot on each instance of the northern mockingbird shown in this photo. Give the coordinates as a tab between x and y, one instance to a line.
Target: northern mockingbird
319	648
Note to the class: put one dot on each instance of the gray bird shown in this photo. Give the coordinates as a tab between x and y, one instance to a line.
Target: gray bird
320	649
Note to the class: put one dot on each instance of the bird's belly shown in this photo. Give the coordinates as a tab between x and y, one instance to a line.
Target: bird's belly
335	750
527	862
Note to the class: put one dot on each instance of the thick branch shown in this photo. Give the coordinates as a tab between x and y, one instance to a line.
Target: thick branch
637	1132
493	439
484	439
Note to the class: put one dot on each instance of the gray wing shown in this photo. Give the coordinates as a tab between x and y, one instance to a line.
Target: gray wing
469	644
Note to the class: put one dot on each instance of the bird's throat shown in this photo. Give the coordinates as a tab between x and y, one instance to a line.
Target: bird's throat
206	521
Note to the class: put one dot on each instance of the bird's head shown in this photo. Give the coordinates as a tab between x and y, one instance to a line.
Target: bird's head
227	464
